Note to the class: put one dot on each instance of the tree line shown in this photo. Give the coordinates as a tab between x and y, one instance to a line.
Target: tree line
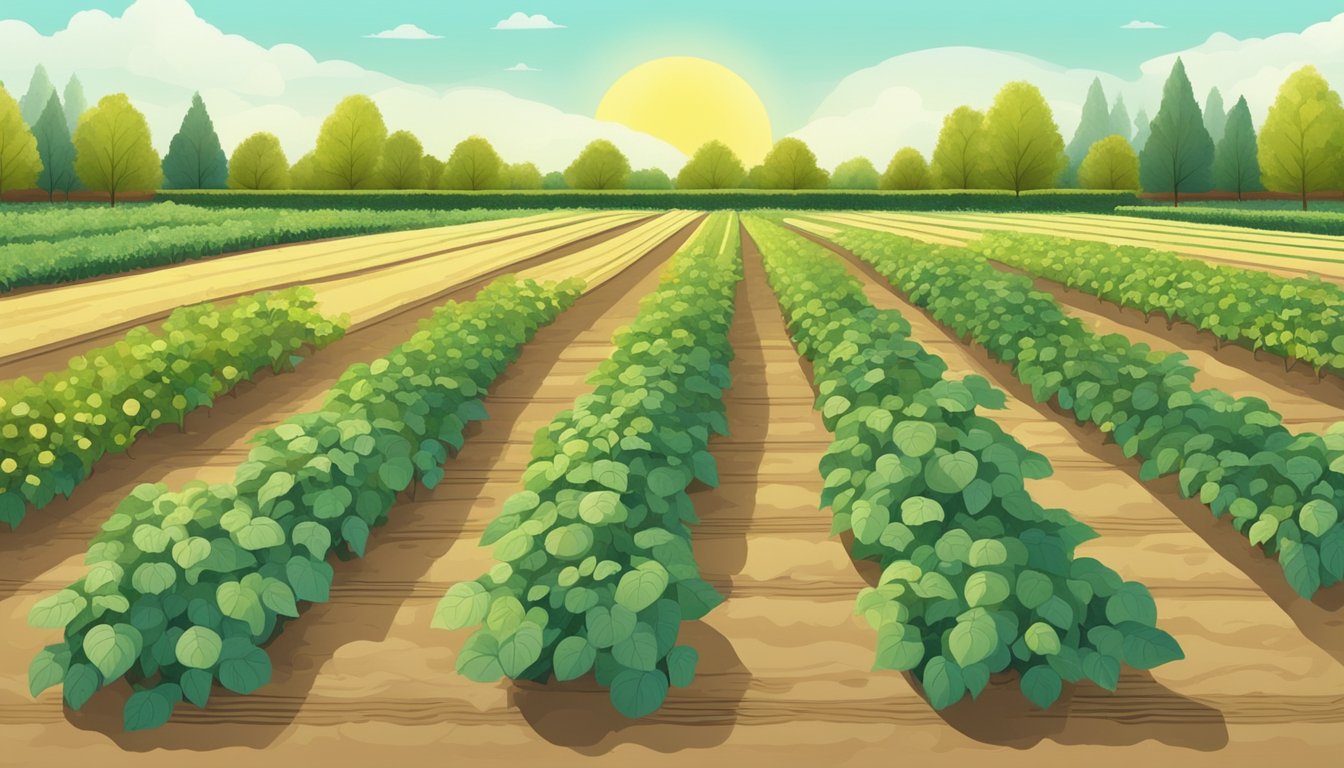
60	146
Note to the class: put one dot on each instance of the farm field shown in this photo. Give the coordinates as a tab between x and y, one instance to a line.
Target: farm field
785	667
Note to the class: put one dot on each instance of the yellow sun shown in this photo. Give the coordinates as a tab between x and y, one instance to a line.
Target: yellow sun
686	102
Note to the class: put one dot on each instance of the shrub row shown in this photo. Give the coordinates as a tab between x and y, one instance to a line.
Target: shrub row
1295	318
52	431
1309	222
183	587
977	577
595	567
1282	490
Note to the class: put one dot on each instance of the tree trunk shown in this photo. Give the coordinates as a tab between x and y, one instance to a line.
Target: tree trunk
1176	196
1304	195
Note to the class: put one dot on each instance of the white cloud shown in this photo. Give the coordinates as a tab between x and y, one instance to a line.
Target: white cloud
521	67
1136	24
404	32
902	101
520	20
160	52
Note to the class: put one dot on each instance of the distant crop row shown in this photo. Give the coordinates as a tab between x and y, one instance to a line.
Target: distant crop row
1311	222
57	428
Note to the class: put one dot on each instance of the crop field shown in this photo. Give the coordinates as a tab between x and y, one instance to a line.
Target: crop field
638	487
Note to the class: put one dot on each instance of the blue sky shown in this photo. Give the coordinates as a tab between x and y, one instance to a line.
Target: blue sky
793	53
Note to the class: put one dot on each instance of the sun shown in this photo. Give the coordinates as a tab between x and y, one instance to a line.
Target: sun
688	101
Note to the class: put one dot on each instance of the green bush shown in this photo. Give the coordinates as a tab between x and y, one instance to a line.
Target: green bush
1310	222
977	577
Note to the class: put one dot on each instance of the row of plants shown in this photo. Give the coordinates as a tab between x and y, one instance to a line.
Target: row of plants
595	570
183	588
977	577
1308	222
26	224
1298	319
53	430
1282	490
73	255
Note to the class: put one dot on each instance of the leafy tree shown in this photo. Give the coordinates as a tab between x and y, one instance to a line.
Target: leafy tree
1143	129
304	173
1215	115
403	161
1120	123
431	171
1110	164
19	161
907	170
1023	147
1302	141
755	178
713	166
55	150
1235	165
959	157
648	178
75	102
350	145
554	180
599	166
522	176
790	164
195	159
1179	154
1094	126
259	163
857	173
113	153
40	91
474	164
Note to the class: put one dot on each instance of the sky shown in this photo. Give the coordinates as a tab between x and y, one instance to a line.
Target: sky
848	76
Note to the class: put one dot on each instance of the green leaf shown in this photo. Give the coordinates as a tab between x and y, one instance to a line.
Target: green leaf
153	578
277	485
988	552
396	473
47	668
81	681
1131	602
1317	517
1102	669
1042	686
191	551
259	533
1042	638
639	650
914	438
920	510
974	637
681	662
150	708
150	539
951	472
356	533
611	474
311	579
479	660
899	647
602	508
277	596
521	650
868	520
636	694
1033	589
665	482
331	503
986	588
112	648
1263	530
239	602
243	667
464	605
198	647
943	683
573	658
608	626
570	542
1147	647
640	588
56	611
196	685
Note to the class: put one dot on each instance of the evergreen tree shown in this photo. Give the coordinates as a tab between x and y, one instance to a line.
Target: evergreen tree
56	150
1215	115
1235	165
1179	155
39	93
1120	122
1143	128
1094	126
195	159
75	103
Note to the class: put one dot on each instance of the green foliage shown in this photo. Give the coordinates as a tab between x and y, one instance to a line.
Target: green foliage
55	150
19	159
554	180
959	157
1023	148
1143	128
57	428
855	173
259	162
1233	453
1094	126
1111	163
350	146
596	568
431	171
243	554
473	165
40	90
112	149
403	162
1178	156
1236	165
977	578
1215	115
1121	125
195	159
1302	141
790	164
75	102
599	166
1312	222
521	176
907	171
648	178
713	166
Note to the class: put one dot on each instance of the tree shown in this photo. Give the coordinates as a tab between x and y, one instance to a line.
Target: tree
431	171
599	166
195	159
1143	128
907	170
648	178
959	157
755	178
304	173
790	164
19	161
1215	115
259	163
522	176
1094	126
1179	154
713	166
75	103
350	145
1120	123
1023	147
473	165
55	150
113	153
1110	164
1302	141
554	180
1235	165
857	173
403	161
40	91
